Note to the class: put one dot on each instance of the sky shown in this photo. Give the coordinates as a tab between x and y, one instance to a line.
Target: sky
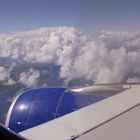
49	32
91	16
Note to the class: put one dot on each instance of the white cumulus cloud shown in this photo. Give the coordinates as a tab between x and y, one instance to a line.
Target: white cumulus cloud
29	78
110	57
5	76
4	73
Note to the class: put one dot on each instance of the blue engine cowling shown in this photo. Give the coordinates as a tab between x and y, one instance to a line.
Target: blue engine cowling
41	105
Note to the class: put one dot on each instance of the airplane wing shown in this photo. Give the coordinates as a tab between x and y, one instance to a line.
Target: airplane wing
113	118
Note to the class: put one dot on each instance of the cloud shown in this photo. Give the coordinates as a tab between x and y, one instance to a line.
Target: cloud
133	80
10	82
110	57
4	74
29	78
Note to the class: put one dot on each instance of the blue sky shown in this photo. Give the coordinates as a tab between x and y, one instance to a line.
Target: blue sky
90	16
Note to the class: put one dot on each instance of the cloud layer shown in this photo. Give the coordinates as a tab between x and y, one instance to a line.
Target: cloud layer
110	57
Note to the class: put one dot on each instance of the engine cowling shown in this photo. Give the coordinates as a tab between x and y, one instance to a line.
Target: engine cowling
37	106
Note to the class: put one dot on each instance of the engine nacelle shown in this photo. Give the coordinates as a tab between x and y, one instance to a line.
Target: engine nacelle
37	106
